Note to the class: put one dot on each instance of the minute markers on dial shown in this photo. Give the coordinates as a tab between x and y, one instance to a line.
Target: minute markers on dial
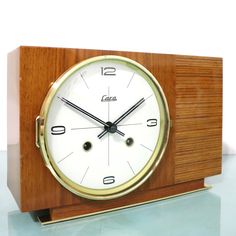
148	97
85	173
81	75
65	157
146	147
130	124
92	127
131	167
130	80
108	104
108	149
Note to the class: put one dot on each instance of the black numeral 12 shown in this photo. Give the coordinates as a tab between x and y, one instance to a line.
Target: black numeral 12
108	71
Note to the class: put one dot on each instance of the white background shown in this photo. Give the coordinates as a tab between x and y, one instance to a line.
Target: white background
204	28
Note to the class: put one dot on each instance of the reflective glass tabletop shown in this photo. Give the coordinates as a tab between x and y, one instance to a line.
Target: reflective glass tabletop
209	212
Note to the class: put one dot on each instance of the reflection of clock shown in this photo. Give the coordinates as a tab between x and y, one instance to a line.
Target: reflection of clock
103	128
105	125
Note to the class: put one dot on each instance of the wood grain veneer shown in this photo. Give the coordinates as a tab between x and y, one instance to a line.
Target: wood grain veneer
193	88
198	117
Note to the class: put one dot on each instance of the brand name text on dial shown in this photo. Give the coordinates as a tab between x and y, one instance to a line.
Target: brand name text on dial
106	98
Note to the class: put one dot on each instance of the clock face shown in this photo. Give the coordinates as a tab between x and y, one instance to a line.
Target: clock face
106	126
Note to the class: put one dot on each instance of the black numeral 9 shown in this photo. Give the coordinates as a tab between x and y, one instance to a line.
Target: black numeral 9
58	130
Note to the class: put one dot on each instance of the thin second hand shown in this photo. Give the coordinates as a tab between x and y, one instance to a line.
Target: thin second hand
108	138
108	115
108	118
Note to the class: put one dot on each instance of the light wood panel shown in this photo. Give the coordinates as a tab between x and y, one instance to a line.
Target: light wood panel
198	117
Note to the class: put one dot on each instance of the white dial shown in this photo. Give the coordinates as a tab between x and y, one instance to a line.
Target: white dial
105	122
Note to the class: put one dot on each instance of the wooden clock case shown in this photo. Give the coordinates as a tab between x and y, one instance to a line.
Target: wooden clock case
193	88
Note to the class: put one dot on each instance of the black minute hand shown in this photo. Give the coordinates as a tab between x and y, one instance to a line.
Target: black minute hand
87	113
122	117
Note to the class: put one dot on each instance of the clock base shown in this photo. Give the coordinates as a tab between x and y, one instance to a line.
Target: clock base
71	212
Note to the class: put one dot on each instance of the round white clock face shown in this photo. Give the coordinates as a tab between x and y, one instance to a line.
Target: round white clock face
106	125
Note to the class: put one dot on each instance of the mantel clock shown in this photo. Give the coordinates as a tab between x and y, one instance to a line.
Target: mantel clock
91	131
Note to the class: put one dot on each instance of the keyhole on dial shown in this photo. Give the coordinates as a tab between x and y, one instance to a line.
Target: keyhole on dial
129	141
87	146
